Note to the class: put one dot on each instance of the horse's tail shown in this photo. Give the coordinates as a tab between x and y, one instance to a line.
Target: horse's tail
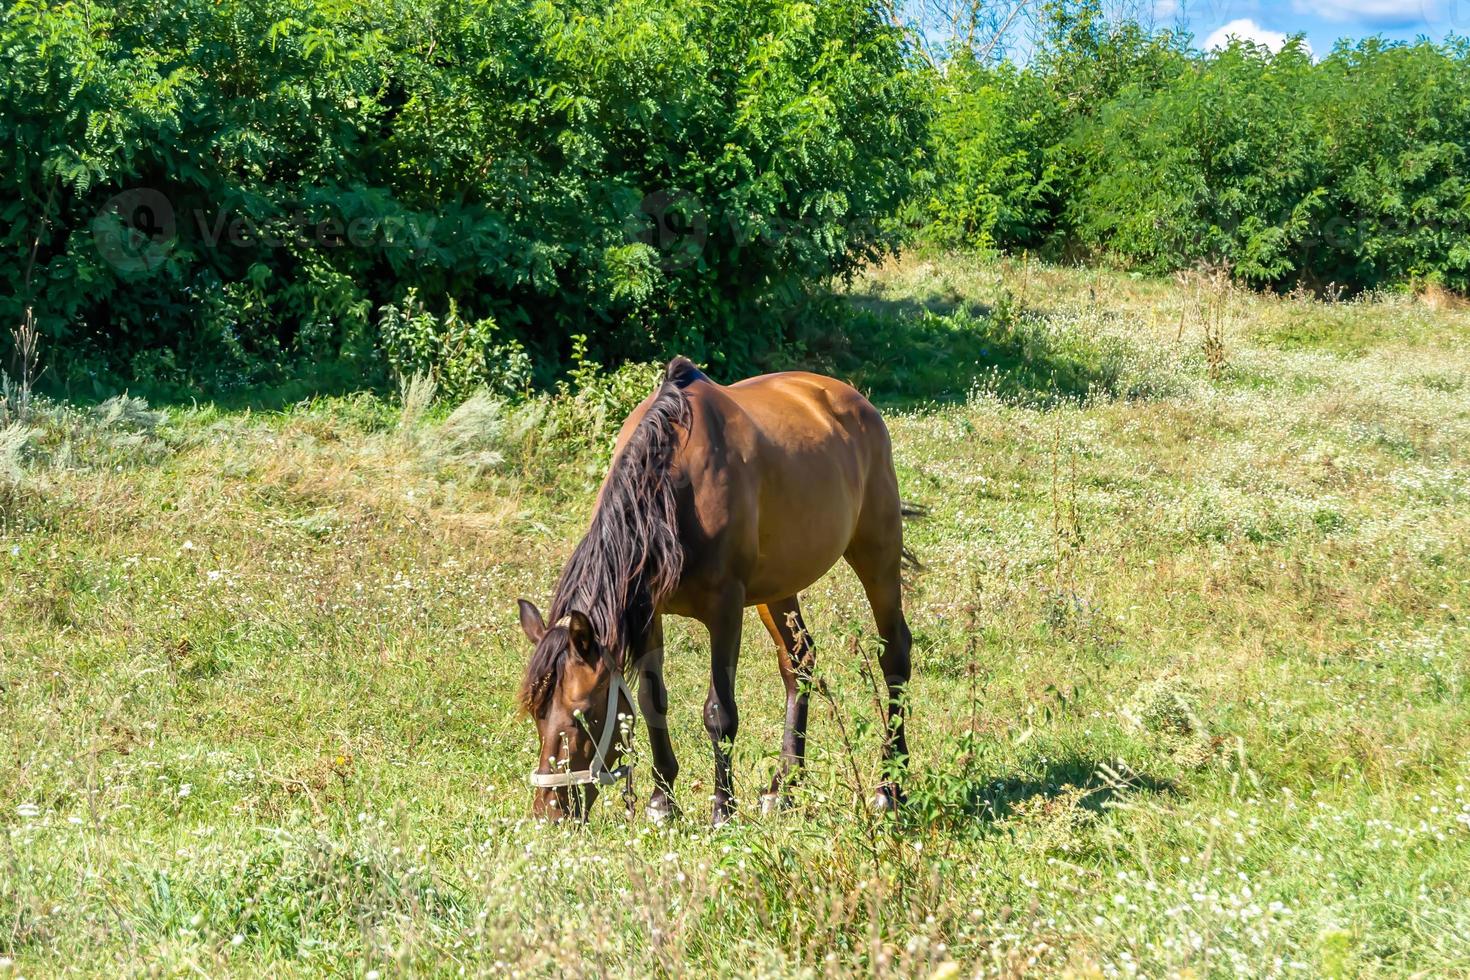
910	511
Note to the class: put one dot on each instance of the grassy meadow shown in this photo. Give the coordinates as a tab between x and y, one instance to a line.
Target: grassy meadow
1190	651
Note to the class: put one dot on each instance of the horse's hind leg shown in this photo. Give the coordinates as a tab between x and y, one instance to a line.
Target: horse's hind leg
795	655
876	555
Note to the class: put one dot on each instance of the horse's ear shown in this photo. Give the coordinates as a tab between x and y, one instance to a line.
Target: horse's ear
579	628
531	621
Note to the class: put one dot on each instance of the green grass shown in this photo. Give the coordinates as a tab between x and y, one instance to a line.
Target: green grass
1190	646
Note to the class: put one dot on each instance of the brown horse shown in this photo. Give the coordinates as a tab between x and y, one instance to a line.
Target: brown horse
718	498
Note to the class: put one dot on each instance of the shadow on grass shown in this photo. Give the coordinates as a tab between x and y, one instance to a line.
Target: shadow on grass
1099	785
289	386
906	353
903	352
1063	788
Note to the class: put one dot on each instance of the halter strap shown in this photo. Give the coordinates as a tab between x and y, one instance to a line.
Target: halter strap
598	773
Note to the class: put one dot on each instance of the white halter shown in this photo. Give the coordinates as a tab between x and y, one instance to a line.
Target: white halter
599	773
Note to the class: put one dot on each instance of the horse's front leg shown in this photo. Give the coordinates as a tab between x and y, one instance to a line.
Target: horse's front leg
721	718
653	705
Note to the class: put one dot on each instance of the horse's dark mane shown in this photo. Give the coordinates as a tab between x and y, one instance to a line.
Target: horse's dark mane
630	558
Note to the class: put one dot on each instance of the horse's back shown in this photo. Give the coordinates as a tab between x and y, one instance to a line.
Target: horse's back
808	449
798	404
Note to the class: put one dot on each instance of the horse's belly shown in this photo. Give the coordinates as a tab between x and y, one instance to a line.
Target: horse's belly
805	527
780	576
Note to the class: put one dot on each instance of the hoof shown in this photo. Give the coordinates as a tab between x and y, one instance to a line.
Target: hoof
885	800
772	803
661	811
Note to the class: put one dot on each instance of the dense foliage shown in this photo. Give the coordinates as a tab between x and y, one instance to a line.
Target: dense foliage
235	183
1349	170
211	191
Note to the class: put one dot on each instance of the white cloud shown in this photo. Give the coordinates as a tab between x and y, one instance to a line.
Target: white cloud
1247	30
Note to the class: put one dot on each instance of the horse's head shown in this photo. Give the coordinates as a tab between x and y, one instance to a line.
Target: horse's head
582	711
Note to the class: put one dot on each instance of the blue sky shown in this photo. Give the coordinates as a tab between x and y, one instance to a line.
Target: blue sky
1322	21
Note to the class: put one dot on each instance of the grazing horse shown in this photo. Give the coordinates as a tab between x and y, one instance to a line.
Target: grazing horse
718	498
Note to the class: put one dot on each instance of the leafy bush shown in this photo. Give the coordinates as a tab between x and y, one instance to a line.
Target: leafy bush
1218	165
1004	169
244	184
1124	145
997	180
214	191
456	354
1394	135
